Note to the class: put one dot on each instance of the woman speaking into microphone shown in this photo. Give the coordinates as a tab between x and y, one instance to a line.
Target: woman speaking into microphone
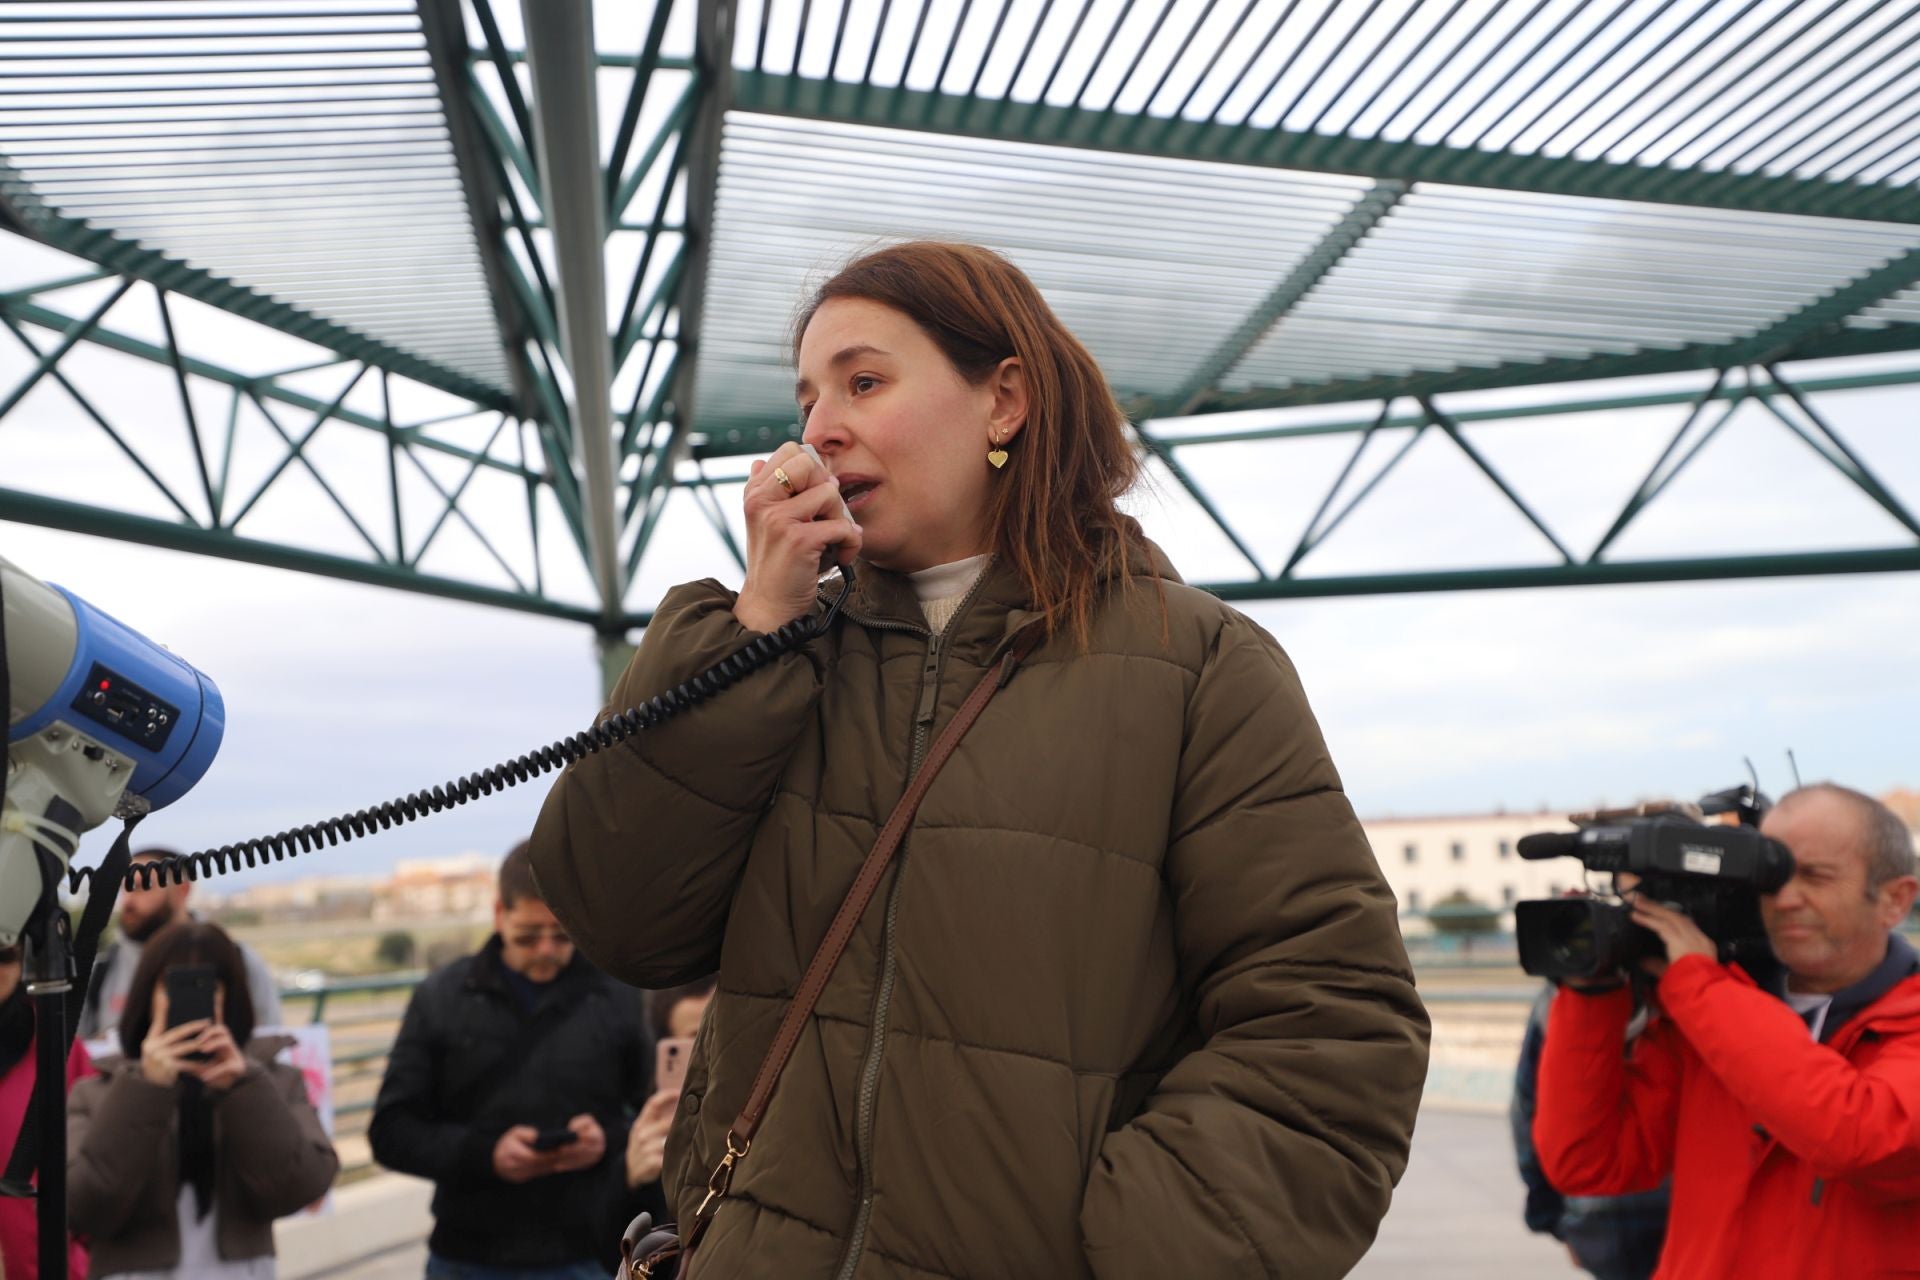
1128	996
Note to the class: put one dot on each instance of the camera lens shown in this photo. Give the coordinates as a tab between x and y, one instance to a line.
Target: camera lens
1573	941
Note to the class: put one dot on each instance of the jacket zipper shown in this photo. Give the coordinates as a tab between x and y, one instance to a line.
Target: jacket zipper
883	999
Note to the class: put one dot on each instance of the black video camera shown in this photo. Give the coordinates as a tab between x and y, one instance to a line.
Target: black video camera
1713	874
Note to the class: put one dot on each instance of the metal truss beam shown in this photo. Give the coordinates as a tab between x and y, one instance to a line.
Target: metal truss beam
1545	409
443	27
1608	573
701	115
1339	239
1817	433
1279	148
563	67
54	513
267	387
1849	342
22	211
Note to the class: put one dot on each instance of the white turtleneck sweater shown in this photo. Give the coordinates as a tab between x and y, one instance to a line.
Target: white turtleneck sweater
942	588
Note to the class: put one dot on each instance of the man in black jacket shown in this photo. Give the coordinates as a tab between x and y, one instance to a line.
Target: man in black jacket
512	1085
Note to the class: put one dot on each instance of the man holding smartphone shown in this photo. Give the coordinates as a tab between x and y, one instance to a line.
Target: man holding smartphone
512	1086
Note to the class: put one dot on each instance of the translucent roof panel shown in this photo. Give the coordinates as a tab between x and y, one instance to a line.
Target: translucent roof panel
1455	278
297	152
1719	86
1153	263
1902	308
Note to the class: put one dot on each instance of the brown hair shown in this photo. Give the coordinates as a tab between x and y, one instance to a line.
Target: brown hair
1054	512
516	876
660	1003
187	942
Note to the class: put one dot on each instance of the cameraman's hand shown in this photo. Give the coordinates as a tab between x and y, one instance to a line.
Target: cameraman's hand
1682	936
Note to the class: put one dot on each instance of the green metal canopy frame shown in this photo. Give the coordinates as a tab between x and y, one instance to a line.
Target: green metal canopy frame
1241	205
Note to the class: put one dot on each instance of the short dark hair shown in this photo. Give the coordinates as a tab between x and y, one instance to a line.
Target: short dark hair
187	942
660	1003
516	876
1885	842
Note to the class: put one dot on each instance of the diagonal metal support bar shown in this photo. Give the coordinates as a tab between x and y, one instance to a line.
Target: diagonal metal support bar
186	405
75	330
1835	451
1373	482
1659	476
1310	536
656	502
1643	494
1164	451
265	386
673	126
20	209
442	26
717	517
298	452
700	153
643	70
55	513
1365	214
1459	438
50	286
563	66
294	449
453	500
87	407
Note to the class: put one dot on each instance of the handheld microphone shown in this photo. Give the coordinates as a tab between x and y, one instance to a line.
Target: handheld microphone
830	558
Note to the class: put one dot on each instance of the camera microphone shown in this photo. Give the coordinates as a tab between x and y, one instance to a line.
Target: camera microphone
1550	844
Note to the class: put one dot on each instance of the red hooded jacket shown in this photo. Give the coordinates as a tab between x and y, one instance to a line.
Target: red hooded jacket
1790	1159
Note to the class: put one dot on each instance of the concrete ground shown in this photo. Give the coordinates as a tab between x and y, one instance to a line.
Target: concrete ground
1456	1216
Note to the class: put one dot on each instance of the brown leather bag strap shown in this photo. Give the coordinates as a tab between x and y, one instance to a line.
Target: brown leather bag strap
840	932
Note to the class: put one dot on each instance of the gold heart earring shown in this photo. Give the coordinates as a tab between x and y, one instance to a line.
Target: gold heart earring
997	455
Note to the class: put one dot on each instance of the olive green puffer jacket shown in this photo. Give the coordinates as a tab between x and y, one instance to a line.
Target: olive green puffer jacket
1132	1001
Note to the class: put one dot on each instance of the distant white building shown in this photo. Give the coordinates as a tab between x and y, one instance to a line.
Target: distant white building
1427	859
462	887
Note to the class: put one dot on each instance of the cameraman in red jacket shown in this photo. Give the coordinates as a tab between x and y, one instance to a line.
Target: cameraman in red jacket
1789	1120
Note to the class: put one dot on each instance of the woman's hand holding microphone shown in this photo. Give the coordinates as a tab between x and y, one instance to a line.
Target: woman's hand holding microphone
794	515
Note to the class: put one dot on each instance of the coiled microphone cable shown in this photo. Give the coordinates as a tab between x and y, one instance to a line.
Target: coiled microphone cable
730	670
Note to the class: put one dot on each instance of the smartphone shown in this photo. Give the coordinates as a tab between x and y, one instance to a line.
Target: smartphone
554	1139
670	1071
189	993
190	998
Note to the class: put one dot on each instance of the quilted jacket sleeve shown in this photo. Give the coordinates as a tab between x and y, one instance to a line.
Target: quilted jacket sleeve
1605	1120
272	1141
1847	1121
1273	1148
638	848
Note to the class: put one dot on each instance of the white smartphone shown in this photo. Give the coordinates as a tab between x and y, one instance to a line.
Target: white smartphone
670	1070
830	556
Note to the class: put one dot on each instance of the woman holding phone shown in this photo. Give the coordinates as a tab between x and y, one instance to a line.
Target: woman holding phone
19	1222
1131	998
183	1153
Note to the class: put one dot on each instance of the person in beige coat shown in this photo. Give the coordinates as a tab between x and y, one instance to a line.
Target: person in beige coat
1132	999
183	1153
